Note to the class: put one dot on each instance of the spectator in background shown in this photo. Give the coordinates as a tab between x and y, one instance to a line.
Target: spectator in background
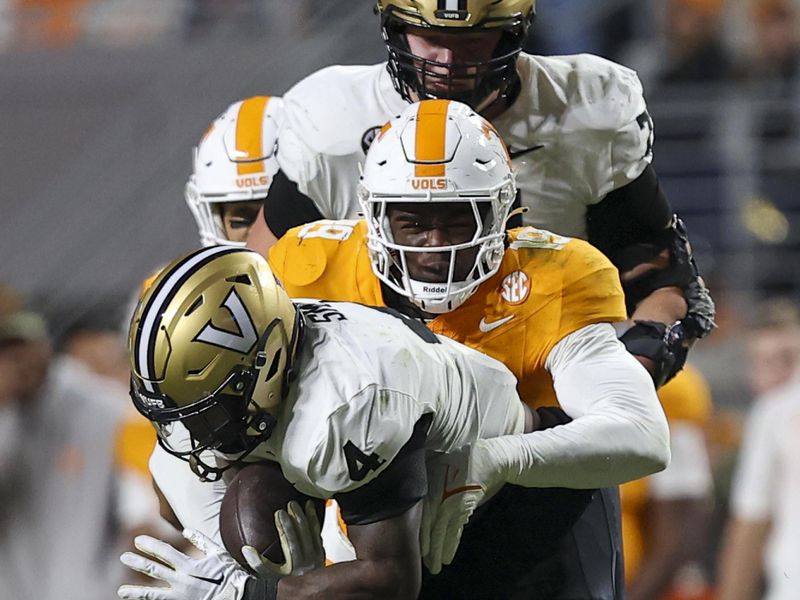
777	47
60	487
761	539
774	64
50	23
92	350
94	340
695	52
246	16
664	515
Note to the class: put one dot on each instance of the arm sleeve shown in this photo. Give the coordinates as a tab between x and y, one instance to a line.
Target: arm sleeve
636	213
196	503
618	433
755	477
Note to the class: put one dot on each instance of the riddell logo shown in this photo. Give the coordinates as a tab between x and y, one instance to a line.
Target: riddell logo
434	289
429	184
246	182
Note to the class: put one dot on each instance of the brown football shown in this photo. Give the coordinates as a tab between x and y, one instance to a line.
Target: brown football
246	516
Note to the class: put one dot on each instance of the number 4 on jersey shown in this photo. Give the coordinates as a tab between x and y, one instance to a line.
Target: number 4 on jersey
358	463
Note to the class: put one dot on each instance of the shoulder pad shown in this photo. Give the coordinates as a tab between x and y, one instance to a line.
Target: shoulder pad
301	256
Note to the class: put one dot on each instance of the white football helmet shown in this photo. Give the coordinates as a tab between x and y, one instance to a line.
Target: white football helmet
437	151
234	162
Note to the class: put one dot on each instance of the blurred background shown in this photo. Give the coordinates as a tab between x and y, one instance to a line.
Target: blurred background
101	102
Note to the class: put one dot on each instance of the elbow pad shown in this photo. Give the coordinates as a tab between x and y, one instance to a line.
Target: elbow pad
666	345
682	272
551	416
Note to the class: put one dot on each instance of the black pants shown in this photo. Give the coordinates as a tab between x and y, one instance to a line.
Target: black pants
536	544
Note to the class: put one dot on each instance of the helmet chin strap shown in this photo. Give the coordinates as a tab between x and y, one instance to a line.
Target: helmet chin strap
205	471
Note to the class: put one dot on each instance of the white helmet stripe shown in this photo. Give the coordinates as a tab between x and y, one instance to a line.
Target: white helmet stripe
151	314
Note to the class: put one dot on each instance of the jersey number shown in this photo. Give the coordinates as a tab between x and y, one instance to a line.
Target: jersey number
327	230
320	312
358	463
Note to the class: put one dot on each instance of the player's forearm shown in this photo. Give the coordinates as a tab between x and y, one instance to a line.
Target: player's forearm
618	433
356	580
560	457
194	503
664	305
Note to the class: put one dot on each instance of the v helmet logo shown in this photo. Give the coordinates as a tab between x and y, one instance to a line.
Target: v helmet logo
243	339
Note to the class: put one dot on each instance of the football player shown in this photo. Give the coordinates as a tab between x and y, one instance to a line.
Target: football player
234	165
352	401
543	305
577	128
430	177
233	168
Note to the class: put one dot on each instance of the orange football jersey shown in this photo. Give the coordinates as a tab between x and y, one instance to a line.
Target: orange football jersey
546	288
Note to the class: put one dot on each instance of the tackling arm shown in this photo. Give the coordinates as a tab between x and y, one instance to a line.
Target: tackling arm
665	295
618	433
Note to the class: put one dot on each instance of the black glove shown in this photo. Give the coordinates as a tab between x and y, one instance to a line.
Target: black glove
665	345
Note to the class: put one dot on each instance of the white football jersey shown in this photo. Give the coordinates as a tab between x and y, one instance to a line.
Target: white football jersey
578	130
365	376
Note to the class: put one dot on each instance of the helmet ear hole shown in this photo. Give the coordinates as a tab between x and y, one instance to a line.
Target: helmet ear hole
273	368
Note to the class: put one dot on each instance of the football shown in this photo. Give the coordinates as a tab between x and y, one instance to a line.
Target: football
247	513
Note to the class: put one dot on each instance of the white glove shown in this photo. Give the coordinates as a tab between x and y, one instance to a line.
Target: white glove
216	576
458	483
301	542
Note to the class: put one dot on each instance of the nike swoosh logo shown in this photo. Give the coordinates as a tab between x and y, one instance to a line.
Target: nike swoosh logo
517	153
459	490
486	326
217	581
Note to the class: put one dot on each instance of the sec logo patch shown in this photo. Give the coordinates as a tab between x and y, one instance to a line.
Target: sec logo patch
515	288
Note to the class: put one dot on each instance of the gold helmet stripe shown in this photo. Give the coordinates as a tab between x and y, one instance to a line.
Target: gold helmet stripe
160	297
430	138
249	128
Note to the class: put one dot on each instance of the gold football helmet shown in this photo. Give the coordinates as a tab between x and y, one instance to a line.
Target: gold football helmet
211	345
417	78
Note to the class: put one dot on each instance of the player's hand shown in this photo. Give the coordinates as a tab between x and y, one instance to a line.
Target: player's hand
215	576
301	542
458	483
